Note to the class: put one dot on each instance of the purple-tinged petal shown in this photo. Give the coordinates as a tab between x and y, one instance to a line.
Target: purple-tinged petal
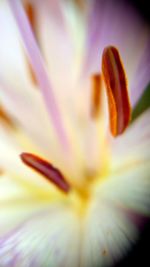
43	239
39	69
29	107
118	25
55	42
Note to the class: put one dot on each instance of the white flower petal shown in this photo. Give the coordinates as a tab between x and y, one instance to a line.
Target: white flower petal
134	143
48	238
128	189
108	235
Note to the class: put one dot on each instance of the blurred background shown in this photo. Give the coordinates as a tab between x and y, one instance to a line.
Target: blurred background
143	7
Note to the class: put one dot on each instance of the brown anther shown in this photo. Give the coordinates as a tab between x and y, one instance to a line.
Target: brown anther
95	95
31	72
30	13
31	17
117	92
5	118
45	168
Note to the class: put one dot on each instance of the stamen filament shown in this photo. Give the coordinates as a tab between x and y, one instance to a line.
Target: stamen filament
117	92
38	66
47	170
95	97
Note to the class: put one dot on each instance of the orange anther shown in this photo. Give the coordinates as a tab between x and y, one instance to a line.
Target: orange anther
117	92
30	13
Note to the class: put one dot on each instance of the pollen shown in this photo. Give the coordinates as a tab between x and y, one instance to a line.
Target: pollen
116	89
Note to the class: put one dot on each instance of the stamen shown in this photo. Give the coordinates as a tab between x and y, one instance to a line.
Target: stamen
31	71
38	66
1	172
4	117
47	170
31	17
30	13
95	97
117	92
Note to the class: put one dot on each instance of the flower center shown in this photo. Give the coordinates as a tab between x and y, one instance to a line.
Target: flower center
116	89
119	115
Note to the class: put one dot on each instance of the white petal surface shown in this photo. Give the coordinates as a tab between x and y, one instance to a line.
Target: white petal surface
47	238
108	235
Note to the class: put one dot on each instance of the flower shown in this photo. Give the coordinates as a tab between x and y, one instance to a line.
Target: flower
72	187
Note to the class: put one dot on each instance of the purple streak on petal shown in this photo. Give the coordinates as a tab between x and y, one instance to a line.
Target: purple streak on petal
100	27
10	241
14	260
108	24
95	30
53	210
142	75
38	65
17	105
